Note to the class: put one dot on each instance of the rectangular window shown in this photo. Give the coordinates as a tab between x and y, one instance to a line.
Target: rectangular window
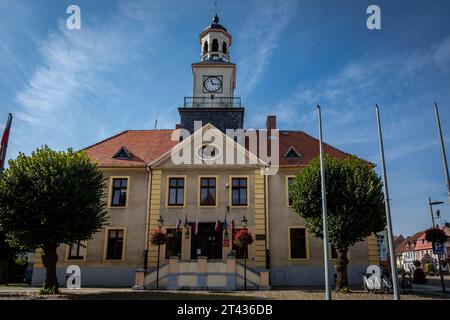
176	192
289	182
239	191
119	192
207	191
77	251
114	249
173	245
297	238
240	251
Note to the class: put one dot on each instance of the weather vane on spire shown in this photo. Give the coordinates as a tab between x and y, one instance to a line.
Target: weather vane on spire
216	7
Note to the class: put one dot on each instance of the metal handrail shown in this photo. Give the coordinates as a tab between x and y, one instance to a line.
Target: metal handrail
202	102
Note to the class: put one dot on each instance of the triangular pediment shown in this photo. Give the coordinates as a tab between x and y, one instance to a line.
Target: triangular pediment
207	146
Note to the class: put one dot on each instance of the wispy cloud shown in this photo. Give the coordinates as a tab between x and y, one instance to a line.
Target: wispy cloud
405	84
259	36
77	80
351	94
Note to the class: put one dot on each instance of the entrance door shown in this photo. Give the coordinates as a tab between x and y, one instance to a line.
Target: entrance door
207	242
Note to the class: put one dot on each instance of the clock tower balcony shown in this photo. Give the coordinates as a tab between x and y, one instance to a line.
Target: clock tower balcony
212	102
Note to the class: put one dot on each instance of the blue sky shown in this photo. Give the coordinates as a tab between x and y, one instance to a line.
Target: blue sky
130	63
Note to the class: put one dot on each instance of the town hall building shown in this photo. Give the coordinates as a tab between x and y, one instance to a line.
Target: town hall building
201	205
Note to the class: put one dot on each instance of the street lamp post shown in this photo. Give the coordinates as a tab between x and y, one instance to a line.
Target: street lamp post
160	224
444	156
244	224
431	204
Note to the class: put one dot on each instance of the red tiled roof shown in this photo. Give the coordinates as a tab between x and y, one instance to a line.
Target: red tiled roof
306	145
144	145
148	145
422	243
404	247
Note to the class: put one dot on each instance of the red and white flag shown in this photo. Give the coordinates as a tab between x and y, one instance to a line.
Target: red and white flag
217	226
195	228
4	143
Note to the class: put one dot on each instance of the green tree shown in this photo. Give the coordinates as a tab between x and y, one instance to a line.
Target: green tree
355	205
51	198
435	235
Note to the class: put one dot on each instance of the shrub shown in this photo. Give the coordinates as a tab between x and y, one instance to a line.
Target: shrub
47	291
417	264
419	277
17	271
346	290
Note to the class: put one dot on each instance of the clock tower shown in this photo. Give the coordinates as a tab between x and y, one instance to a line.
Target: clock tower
213	99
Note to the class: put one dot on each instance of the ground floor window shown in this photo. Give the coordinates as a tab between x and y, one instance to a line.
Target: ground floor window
114	247
297	243
173	245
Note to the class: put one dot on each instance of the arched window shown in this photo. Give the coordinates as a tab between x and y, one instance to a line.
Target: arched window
205	47
224	48
215	45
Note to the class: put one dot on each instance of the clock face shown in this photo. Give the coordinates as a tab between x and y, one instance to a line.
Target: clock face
212	84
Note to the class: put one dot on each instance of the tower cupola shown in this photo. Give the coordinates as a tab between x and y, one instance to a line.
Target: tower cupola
215	42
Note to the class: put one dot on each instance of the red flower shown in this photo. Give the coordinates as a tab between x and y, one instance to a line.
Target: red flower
243	238
158	237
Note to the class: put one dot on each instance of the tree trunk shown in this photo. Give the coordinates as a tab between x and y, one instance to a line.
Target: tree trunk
49	260
341	269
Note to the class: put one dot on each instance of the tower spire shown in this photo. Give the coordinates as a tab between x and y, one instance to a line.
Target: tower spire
216	7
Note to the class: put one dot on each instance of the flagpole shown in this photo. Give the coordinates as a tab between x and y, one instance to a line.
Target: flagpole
388	211
444	156
324	212
4	143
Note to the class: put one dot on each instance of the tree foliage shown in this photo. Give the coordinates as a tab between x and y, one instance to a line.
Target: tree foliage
355	203
435	235
51	198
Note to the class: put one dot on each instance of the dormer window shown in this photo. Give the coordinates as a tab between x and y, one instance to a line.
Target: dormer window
123	154
292	153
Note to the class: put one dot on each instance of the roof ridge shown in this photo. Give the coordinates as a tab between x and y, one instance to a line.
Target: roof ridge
134	130
106	139
123	132
307	134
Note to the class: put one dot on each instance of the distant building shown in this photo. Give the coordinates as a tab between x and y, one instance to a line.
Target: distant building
406	254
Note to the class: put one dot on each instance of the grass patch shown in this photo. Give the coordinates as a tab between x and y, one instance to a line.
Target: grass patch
49	291
19	284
